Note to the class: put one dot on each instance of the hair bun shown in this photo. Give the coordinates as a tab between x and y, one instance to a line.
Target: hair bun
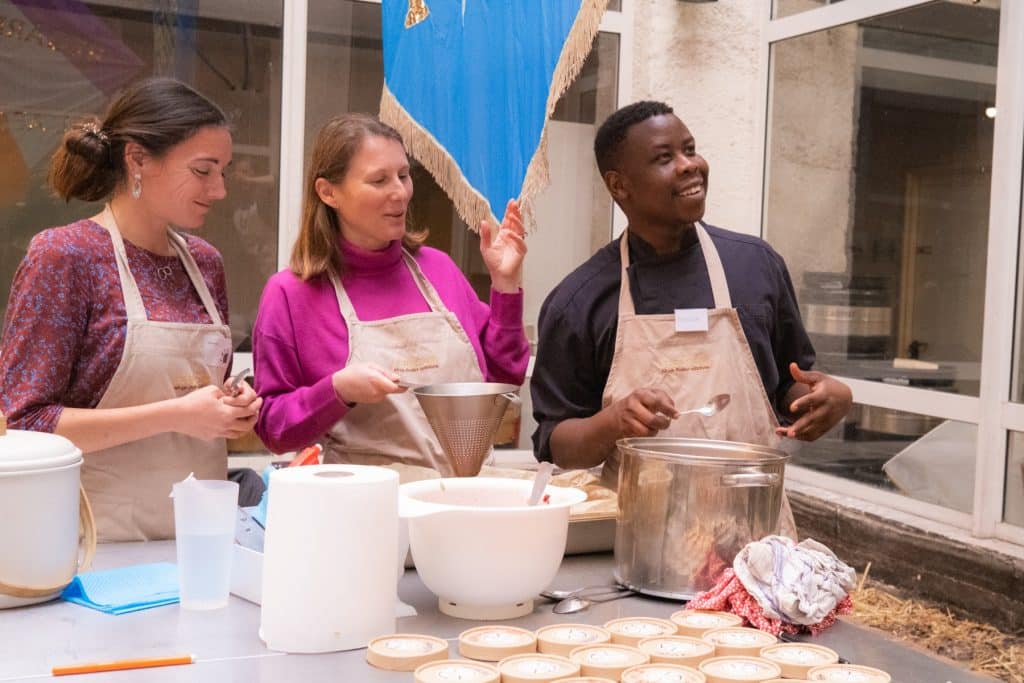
88	140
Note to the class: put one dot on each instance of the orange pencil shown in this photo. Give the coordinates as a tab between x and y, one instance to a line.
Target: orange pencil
121	665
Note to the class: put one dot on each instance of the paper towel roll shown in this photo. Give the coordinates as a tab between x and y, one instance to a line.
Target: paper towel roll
329	573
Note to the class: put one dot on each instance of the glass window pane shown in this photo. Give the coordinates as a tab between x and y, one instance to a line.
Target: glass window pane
615	5
1013	512
878	184
65	60
919	456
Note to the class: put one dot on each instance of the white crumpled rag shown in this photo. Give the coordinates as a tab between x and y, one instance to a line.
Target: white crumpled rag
799	583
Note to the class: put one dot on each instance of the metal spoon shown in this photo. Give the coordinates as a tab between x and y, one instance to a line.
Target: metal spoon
556	594
578	604
714	404
233	388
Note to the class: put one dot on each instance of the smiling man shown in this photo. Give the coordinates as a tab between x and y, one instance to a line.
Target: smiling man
669	315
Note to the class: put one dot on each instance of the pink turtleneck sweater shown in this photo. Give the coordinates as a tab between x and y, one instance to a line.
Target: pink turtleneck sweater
300	338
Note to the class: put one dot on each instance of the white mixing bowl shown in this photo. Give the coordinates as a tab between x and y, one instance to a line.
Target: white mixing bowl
480	548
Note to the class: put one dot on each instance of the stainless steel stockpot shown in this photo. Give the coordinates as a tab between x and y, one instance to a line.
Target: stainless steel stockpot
687	506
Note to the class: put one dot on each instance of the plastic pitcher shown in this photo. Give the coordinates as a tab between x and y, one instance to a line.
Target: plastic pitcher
204	526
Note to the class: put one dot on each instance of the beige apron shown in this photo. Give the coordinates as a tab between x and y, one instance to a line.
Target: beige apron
422	348
691	367
129	484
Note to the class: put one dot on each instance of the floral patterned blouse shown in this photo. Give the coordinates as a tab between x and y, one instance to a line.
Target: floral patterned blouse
64	332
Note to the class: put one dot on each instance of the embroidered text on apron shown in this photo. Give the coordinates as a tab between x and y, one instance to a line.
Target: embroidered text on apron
129	484
422	348
691	367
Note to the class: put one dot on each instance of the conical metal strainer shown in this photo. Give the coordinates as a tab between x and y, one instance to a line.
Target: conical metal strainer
465	416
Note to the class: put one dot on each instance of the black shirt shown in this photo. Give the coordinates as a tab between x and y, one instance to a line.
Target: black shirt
578	319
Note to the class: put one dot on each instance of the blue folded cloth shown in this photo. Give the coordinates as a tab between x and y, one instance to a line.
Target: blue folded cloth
260	513
127	589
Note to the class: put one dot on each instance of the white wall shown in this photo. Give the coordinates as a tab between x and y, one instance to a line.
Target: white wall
703	59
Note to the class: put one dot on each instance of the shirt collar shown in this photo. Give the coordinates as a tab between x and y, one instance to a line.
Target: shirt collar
359	261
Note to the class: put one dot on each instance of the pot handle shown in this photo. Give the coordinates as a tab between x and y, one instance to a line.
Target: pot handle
87	544
512	397
749	479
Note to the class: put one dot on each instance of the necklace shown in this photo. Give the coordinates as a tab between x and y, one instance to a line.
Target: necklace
164	271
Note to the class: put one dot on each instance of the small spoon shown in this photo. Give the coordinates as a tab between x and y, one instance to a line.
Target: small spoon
540	481
233	388
556	594
714	404
578	604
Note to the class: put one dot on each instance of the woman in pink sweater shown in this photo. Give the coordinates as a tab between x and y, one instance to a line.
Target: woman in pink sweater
364	307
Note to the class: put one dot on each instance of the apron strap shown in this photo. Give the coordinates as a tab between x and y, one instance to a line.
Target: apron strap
180	246
348	311
134	308
716	273
719	285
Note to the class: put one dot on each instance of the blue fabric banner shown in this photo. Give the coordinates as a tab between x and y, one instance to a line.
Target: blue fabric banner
470	84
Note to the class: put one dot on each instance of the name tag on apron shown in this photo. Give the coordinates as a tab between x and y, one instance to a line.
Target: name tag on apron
691	320
216	349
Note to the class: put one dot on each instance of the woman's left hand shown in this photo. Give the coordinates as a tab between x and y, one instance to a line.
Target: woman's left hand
244	397
503	253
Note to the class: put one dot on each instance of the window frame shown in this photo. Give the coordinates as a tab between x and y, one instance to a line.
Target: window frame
993	410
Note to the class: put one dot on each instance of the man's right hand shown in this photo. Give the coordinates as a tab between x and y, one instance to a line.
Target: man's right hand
644	412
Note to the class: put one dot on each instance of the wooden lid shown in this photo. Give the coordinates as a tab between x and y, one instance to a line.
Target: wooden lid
492	643
405	651
739	669
536	668
662	673
631	630
462	670
739	640
607	659
848	673
693	622
677	649
562	639
796	659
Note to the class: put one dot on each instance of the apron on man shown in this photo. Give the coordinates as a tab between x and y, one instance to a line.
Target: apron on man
128	485
421	348
691	367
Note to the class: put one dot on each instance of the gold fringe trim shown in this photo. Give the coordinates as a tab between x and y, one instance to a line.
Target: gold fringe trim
574	54
470	204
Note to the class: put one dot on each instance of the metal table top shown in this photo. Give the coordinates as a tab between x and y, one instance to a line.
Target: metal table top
227	647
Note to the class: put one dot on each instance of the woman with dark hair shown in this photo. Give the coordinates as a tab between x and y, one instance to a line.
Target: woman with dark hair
116	333
364	308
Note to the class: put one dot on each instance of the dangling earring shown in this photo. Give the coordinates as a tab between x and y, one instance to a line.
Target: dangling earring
137	186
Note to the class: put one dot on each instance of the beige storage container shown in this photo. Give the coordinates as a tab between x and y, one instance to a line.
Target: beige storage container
536	668
739	641
695	623
739	670
607	660
682	650
631	630
797	659
562	639
493	643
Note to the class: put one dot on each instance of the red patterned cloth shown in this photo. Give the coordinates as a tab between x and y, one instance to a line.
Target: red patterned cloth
729	595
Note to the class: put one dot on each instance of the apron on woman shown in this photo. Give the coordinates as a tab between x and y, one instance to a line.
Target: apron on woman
421	348
691	367
128	485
